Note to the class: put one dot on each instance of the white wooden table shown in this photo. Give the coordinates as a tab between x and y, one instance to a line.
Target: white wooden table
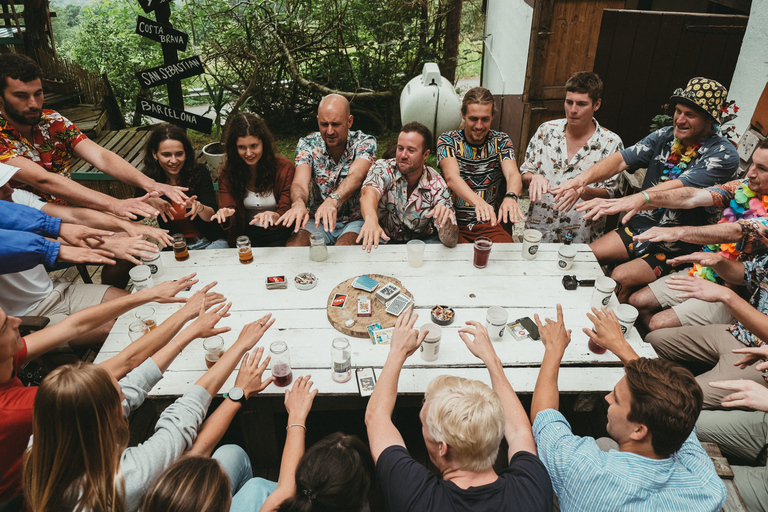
447	277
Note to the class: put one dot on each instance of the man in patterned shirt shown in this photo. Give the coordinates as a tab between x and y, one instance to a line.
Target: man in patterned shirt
330	168
42	142
563	148
652	460
411	196
748	234
479	167
697	157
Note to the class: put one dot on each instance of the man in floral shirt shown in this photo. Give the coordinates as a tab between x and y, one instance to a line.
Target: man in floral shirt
687	154
402	198
711	347
330	168
740	235
563	148
42	142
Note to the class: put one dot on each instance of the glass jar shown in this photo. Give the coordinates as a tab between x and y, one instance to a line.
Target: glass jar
244	249
318	251
281	363
341	360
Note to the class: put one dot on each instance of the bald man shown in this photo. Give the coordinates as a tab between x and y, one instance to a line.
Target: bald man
334	163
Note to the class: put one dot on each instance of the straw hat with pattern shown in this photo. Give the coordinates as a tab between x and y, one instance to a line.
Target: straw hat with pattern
703	93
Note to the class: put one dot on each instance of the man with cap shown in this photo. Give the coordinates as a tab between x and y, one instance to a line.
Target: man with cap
687	154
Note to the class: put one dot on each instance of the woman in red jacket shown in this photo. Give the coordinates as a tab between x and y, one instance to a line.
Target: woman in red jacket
254	184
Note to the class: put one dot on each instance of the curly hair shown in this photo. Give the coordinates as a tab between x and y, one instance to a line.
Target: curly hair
152	168
17	67
236	170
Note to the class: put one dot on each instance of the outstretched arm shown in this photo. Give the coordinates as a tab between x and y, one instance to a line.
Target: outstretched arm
382	433
517	428
555	338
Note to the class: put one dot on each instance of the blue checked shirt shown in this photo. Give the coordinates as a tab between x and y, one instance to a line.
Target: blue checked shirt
586	478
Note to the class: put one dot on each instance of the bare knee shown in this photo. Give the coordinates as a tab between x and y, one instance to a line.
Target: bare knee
347	239
644	300
113	293
663	320
300	239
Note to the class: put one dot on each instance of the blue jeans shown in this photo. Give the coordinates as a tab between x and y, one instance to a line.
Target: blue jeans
253	495
204	243
236	465
341	228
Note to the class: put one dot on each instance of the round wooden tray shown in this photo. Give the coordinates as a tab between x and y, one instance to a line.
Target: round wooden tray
338	316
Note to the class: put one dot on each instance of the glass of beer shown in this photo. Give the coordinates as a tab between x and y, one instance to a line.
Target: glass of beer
281	363
147	315
244	249
180	247
214	349
137	329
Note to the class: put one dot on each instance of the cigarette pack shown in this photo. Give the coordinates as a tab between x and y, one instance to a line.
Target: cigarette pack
363	306
387	293
517	330
274	282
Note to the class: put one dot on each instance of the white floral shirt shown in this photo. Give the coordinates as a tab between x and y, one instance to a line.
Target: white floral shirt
547	155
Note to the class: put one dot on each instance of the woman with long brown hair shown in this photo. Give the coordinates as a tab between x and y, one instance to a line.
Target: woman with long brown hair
254	183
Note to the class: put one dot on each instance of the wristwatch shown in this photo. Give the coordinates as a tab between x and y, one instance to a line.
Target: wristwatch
335	196
236	394
512	195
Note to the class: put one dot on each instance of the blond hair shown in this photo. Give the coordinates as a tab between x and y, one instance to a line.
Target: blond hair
480	96
466	415
79	435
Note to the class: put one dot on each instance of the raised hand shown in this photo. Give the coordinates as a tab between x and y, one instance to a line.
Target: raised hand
298	214
538	186
75	234
553	333
298	399
747	393
480	343
405	338
249	378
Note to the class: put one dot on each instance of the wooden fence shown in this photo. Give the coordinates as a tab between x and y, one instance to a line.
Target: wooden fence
91	85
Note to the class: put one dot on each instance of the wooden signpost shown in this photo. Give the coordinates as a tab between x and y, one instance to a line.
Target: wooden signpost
171	72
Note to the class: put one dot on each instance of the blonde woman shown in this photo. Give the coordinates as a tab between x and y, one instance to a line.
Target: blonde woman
79	459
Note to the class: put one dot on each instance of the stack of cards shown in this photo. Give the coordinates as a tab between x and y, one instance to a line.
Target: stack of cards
371	329
365	283
363	306
398	304
387	293
383	336
274	282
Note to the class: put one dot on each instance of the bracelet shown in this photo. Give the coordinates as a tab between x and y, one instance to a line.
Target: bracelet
178	345
296	425
512	195
647	197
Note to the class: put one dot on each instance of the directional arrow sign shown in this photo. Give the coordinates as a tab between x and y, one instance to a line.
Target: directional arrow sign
175	116
162	34
151	5
160	75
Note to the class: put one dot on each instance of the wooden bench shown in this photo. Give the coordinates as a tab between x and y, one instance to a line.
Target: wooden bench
734	502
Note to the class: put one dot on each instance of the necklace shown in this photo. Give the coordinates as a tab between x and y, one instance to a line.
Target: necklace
745	205
679	158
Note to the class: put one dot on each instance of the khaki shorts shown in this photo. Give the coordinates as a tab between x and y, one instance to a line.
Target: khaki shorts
67	298
690	311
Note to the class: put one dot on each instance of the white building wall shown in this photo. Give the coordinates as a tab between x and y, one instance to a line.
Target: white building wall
508	32
751	72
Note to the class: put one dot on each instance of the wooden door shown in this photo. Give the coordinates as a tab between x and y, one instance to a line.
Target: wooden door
564	38
643	56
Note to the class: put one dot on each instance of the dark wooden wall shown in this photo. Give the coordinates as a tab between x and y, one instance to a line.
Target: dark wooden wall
643	56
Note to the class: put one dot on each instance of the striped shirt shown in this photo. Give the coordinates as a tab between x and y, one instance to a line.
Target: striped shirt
586	478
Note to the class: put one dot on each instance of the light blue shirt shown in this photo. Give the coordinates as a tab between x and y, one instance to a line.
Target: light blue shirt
586	478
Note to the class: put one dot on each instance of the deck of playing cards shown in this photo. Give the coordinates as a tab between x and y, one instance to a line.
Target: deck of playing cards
387	293
373	328
383	336
274	282
398	304
363	306
365	283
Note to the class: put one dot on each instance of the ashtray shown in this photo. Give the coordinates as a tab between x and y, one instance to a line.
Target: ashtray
305	281
442	315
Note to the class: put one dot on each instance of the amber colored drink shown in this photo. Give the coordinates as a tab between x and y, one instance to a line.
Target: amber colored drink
150	322
282	374
246	256
594	347
210	364
180	251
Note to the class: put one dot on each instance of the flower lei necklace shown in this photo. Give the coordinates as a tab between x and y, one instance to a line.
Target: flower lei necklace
744	205
679	158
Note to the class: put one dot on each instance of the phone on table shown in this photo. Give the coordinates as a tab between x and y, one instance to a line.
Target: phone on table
530	326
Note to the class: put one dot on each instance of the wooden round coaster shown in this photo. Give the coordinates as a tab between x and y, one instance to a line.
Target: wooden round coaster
338	316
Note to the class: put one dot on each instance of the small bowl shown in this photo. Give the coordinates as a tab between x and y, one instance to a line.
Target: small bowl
305	281
445	310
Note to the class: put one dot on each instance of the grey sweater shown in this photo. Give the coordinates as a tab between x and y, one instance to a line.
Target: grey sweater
175	432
